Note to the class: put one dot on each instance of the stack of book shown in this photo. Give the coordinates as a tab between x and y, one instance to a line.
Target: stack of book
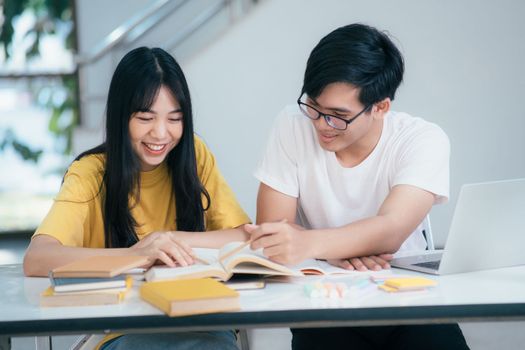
100	280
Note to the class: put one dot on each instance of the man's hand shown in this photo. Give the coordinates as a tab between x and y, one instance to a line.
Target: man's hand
373	262
281	242
165	247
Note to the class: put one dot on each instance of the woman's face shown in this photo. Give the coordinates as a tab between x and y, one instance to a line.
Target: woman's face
154	133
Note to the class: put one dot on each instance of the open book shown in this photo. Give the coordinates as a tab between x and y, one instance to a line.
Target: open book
234	257
238	258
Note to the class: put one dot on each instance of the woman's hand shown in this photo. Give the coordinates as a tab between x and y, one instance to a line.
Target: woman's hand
373	262
165	247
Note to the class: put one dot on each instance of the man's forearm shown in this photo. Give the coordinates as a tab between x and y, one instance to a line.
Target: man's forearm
371	236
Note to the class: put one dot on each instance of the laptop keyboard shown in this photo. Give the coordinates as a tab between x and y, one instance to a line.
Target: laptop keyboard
434	265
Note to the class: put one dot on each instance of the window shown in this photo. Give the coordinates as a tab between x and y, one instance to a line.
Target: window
38	107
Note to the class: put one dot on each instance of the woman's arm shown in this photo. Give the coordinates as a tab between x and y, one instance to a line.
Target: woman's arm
46	252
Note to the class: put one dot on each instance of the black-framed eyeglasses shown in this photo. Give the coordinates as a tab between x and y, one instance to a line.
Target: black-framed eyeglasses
335	122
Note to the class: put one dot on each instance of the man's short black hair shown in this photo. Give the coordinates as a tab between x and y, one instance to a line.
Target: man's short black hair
359	55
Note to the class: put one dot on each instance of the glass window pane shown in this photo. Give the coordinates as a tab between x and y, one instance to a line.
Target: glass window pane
33	149
37	38
38	111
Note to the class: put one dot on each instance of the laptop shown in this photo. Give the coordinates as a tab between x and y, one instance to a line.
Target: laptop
487	231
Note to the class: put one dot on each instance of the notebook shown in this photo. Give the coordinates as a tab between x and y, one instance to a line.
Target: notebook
487	231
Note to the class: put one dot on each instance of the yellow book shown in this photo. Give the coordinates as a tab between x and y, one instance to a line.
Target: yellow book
409	283
190	297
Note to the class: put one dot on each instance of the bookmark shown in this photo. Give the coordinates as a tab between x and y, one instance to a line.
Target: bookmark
236	250
242	246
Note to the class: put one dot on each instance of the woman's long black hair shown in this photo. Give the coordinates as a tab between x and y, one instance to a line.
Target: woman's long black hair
134	86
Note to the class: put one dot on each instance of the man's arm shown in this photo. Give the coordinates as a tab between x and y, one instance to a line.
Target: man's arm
399	215
273	206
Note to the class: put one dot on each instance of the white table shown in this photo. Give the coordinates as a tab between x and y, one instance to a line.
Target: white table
477	296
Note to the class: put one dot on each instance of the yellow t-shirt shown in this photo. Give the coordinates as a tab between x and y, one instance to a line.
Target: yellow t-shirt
76	217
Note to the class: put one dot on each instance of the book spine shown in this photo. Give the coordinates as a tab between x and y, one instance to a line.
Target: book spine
156	300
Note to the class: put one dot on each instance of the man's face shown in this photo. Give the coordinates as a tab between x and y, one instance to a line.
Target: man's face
341	100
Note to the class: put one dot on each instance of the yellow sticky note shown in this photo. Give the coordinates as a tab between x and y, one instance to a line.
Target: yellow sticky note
409	283
388	289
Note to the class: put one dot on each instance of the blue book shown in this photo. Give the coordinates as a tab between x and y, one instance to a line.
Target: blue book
70	284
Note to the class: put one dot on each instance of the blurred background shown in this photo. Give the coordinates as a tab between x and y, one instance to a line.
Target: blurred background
244	61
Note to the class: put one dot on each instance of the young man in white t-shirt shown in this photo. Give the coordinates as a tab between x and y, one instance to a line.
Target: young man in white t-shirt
347	180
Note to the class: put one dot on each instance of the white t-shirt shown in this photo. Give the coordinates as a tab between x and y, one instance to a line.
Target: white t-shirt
410	151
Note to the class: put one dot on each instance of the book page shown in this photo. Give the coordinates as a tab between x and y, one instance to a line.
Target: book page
207	255
321	267
252	261
258	268
158	273
228	248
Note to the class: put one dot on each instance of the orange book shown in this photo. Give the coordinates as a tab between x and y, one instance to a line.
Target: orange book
84	298
100	266
190	296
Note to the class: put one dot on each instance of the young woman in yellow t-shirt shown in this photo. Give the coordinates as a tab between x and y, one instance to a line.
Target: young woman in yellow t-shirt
152	188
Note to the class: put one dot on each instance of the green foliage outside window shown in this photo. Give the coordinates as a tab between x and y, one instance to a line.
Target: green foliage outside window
49	14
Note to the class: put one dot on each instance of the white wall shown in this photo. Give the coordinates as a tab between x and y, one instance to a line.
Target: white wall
463	71
96	19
